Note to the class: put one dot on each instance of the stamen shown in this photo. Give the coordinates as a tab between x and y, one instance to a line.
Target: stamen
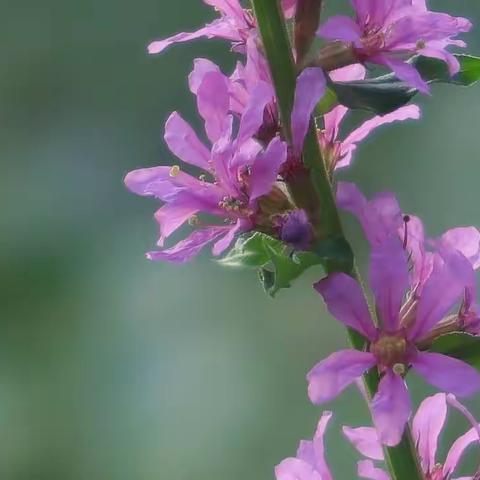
202	177
174	171
399	369
406	219
421	44
194	221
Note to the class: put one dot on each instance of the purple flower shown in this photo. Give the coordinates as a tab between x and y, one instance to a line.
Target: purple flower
381	218
428	424
238	170
338	154
393	345
310	463
389	32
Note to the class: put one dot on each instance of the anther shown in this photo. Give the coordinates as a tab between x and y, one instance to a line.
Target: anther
399	369
406	219
174	171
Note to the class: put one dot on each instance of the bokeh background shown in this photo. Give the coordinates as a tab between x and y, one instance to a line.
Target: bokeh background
115	368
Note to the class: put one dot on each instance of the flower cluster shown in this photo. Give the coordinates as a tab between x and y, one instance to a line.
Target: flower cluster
244	175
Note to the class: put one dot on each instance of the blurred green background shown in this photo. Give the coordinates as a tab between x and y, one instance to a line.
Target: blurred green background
112	367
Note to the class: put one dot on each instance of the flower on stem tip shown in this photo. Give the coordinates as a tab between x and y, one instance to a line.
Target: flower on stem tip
389	32
393	345
428	424
310	463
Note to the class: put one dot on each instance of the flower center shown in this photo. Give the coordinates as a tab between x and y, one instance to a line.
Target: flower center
373	39
390	351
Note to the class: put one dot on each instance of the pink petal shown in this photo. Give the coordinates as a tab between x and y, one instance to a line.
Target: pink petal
365	440
404	71
458	449
331	376
188	248
403	113
201	66
349	73
466	240
447	374
427	426
295	469
366	469
314	452
346	302
229	8
443	289
310	89
340	27
218	28
266	167
288	7
252	117
172	216
184	143
221	245
389	280
391	408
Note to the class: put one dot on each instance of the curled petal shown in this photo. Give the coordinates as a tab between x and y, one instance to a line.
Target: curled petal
295	469
427	426
391	408
466	240
447	374
365	440
172	216
458	449
331	376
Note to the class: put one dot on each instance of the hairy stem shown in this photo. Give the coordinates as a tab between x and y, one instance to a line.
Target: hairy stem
402	460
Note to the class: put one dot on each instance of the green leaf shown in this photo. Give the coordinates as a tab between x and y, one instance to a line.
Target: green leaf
250	251
278	267
463	346
385	94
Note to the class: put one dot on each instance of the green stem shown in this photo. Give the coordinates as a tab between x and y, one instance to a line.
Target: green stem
402	460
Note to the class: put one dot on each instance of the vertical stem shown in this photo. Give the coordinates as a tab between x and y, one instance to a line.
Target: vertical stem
402	460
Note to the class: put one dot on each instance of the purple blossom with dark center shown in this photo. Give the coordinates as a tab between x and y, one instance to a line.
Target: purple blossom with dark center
389	32
393	344
310	463
238	171
428	424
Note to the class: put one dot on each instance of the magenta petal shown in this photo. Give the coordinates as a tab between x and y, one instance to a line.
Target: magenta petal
310	89
366	469
229	8
447	374
389	280
404	71
288	7
184	143
466	240
172	216
443	289
188	248
201	66
427	426
313	452
346	302
331	376
213	102
365	440
230	232
218	28
340	27
252	117
295	469
458	449
391	408
265	169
